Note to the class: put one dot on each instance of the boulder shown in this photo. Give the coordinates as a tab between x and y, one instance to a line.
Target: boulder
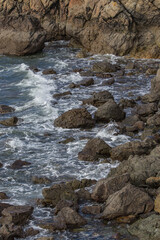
92	209
40	180
3	206
104	66
123	151
154	120
130	200
10	232
49	71
127	103
109	111
147	109
86	82
150	98
107	186
45	238
3	196
153	182
6	109
95	148
19	164
10	122
64	94
31	232
75	118
65	203
18	215
146	229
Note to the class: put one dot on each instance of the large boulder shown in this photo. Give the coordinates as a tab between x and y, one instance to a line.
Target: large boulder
95	148
130	200
21	35
109	111
104	66
75	118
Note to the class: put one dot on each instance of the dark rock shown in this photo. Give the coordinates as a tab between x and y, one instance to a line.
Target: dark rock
3	196
68	140
3	206
107	186
109	111
17	215
127	103
19	164
122	203
151	71
126	219
10	232
93	209
147	109
154	120
130	65
49	71
40	180
31	232
75	118
83	194
123	151
153	182
95	148
59	95
150	98
104	66
6	109
155	85
108	82
1	165
45	238
87	82
10	122
34	69
65	203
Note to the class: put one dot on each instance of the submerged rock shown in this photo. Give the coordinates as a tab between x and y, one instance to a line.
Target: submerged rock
6	109
3	196
75	118
49	71
10	122
19	164
64	94
40	180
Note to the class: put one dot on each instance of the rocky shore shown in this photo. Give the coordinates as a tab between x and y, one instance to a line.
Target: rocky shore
118	27
130	194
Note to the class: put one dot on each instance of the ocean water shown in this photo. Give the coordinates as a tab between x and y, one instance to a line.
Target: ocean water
36	140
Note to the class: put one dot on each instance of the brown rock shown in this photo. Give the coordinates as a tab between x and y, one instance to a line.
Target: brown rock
65	203
75	118
93	209
126	219
10	232
3	206
127	103
86	82
3	196
19	164
154	120
49	71
6	109
147	109
153	182
10	122
83	194
31	232
157	204
107	186
59	95
95	148
122	203
45	238
104	66
40	180
68	140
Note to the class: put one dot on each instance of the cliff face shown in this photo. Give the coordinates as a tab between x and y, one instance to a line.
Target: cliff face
101	26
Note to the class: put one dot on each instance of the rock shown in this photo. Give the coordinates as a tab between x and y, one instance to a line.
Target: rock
130	65
49	71
31	232
1	165
64	94
34	69
3	206
93	209
83	194
95	148
109	111
82	54
126	219
157	204
104	66
149	98
126	103
87	82
71	217
10	122
10	232
146	229
65	203
6	109
154	120
155	84
98	98
140	167
40	180
108	82
57	224
75	118
153	182
122	203
123	151
107	186
3	196
45	238
68	140
21	35
19	164
17	215
147	109
151	71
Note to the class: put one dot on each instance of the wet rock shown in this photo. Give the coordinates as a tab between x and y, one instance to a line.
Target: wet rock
59	95
95	148
108	82
148	132
93	209
157	204
1	165
109	111
104	66
49	71
3	196
18	215
86	82
127	103
65	203
82	54
10	122
40	180
31	232
147	109
68	140
153	182
123	151
98	98
149	98
155	85
83	194
45	238
3	206
34	69
6	109
146	229
10	232
130	65
126	219
71	218
73	85
75	118
19	164
57	224
140	167
151	71
122	203
154	120
107	186
136	127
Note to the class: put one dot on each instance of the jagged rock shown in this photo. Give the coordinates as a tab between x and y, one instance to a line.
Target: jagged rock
10	122
65	203
123	151
3	206
108	82
67	140
109	111
126	103
146	229
122	203
49	71
93	209
31	232
86	82
75	118
64	94
104	66
19	164
153	182
107	186
154	120
150	98
10	232
40	180
95	148
155	84
147	109
6	109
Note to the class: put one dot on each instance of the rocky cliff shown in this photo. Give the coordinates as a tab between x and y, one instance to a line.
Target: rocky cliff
101	26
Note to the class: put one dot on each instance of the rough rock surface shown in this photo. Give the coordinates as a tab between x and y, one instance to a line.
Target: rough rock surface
95	148
9	122
122	203
6	109
75	118
100	26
